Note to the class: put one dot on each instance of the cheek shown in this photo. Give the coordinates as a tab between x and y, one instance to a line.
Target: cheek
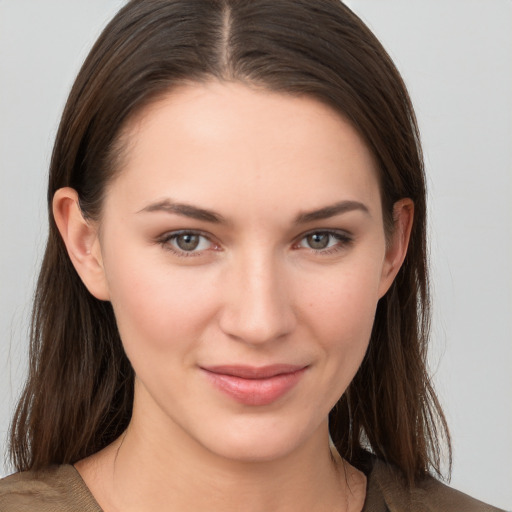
340	315
342	306
157	307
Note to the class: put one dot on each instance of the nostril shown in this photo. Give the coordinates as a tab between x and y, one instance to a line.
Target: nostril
256	307
257	323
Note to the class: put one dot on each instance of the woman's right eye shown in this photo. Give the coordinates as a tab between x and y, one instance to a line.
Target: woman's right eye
186	243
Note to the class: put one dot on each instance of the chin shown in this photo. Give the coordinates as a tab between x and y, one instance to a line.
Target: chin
257	442
260	450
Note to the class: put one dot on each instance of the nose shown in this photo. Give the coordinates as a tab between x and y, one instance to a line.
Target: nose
258	307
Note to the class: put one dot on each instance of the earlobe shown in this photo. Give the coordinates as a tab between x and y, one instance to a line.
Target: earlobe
403	216
80	237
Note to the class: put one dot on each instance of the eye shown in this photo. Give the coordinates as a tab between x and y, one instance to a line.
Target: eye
186	243
325	241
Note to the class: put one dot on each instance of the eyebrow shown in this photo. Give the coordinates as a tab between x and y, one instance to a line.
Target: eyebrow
193	212
331	211
185	210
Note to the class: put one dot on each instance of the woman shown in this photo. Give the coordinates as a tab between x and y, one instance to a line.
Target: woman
235	274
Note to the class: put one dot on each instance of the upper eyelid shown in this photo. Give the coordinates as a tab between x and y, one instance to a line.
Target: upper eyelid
177	232
330	231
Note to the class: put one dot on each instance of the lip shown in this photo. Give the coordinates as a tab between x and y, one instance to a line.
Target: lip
251	385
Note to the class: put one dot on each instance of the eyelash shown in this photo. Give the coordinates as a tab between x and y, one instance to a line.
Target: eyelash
343	238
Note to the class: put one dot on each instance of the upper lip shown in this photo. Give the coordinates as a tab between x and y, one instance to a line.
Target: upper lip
254	372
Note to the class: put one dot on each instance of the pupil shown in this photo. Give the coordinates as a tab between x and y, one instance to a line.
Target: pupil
318	240
188	242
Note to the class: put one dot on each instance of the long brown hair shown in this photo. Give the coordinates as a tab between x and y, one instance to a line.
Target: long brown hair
79	392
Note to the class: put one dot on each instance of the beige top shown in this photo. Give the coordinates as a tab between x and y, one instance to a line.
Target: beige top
61	489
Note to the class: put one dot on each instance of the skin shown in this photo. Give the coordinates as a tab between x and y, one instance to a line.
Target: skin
253	292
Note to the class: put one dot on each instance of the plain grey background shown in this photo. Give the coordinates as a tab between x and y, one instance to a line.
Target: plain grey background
455	56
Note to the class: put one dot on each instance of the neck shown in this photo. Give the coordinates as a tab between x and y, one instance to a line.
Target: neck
156	467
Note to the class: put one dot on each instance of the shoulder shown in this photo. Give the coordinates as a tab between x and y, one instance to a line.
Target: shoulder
55	489
430	495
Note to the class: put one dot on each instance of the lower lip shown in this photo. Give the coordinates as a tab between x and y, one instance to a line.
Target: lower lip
255	391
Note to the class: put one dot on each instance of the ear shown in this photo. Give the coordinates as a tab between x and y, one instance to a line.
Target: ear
82	242
403	215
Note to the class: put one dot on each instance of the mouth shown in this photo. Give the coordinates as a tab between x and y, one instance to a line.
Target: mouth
254	386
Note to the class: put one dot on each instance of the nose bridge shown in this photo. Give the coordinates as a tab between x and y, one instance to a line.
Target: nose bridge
258	308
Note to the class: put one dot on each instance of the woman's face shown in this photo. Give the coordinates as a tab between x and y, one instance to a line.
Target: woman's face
243	251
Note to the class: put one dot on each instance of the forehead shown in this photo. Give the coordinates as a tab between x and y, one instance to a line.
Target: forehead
211	142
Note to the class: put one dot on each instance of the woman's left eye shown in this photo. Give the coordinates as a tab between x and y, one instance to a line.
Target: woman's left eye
324	241
186	243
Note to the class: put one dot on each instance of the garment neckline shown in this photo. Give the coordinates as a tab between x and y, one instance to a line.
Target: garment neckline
367	470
